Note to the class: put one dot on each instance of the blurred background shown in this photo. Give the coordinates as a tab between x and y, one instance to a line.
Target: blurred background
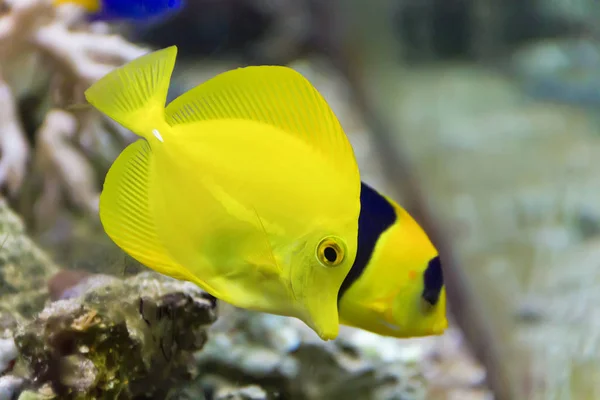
478	116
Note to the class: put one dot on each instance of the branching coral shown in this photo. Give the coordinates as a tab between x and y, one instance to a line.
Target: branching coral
53	53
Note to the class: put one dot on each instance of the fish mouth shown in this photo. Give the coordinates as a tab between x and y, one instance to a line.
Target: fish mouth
322	317
326	335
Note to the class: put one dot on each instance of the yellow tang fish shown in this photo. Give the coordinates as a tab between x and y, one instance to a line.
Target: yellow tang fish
245	185
248	187
395	286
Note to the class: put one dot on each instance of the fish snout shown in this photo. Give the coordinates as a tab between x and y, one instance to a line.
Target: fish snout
328	334
322	316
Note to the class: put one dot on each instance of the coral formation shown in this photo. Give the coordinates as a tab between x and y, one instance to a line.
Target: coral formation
122	339
50	53
289	361
24	270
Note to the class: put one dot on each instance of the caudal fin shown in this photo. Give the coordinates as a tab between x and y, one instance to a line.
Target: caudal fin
135	94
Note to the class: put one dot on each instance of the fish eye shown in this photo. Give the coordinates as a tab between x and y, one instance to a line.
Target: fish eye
330	253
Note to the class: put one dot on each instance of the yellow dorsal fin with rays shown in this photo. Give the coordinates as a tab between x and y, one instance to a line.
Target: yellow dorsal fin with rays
126	217
135	94
275	95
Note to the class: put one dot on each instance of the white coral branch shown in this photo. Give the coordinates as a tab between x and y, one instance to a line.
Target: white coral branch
39	42
13	145
63	165
89	56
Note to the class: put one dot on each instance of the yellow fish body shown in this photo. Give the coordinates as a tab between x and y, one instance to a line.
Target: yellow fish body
395	286
245	185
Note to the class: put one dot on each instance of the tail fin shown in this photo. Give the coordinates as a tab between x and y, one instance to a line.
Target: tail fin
135	94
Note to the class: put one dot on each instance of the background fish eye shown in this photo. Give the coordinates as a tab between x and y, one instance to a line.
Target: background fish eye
330	253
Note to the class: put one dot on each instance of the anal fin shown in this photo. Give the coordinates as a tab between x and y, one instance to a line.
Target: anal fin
126	216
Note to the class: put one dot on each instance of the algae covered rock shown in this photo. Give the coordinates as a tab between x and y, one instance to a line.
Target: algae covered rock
24	270
286	360
122	339
23	266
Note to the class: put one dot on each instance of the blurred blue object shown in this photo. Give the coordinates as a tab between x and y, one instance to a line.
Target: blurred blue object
146	11
210	27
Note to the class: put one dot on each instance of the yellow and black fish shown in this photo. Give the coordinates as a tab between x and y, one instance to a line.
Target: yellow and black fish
396	285
247	186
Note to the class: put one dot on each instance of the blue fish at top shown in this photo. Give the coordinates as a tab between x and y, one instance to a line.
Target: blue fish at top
130	10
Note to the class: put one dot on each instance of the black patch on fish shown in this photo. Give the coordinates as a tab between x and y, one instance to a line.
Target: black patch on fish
433	280
377	215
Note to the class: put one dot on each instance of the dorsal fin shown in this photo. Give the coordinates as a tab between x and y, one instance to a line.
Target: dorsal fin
134	95
274	95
